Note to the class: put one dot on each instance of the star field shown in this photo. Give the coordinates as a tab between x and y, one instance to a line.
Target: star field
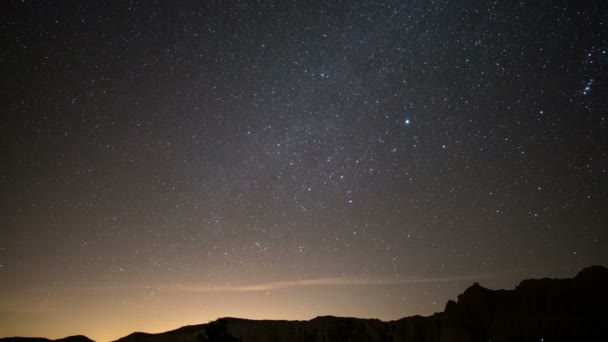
169	163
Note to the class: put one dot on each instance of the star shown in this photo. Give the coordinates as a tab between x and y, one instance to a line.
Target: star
587	89
208	143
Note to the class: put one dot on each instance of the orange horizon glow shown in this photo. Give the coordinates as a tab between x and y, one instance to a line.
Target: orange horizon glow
111	312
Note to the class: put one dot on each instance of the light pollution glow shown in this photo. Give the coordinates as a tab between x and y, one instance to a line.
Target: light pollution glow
106	313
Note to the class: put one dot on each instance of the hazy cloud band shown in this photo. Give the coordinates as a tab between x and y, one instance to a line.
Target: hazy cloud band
338	281
288	284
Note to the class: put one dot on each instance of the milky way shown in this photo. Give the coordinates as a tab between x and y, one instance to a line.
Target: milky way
169	163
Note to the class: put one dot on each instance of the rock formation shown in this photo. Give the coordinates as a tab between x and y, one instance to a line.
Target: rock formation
537	310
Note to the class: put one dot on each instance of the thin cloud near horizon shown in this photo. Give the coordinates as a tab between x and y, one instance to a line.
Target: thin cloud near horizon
327	281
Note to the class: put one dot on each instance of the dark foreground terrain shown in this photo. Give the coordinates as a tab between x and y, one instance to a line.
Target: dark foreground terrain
537	310
78	338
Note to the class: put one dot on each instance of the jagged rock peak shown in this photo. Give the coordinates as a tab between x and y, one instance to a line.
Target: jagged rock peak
537	310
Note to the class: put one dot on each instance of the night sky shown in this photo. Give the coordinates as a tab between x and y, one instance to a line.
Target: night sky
166	163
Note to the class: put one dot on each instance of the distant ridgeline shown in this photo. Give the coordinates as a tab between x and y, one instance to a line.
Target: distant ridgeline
78	338
539	310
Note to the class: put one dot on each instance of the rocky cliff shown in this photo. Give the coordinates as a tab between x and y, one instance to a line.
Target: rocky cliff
537	310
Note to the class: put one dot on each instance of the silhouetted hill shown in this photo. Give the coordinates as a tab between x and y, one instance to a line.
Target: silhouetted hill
537	310
77	338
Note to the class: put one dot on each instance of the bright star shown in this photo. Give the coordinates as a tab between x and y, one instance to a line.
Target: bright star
588	88
407	121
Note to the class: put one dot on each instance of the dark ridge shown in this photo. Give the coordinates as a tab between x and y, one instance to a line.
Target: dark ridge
547	310
536	310
76	338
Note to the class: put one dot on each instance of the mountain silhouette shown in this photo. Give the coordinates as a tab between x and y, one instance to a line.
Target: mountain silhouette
77	338
537	310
